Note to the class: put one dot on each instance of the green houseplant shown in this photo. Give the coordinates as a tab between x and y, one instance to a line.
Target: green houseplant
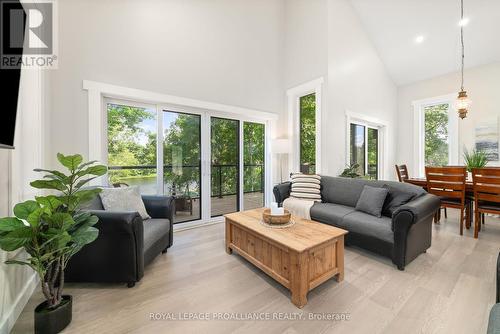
51	229
474	159
351	171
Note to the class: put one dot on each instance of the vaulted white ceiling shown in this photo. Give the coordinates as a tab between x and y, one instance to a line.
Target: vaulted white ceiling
393	26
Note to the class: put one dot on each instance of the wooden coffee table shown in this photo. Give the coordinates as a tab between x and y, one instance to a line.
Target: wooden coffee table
300	257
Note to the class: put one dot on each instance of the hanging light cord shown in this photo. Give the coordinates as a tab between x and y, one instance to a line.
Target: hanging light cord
462	41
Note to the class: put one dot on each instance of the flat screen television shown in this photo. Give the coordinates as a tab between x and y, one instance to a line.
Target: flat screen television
10	79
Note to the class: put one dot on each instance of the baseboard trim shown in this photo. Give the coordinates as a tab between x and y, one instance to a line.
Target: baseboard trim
10	318
191	225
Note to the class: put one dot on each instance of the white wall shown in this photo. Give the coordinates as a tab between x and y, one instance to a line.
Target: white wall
357	82
18	282
306	41
225	51
483	86
324	38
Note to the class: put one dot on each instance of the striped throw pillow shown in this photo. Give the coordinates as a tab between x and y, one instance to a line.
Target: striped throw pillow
306	186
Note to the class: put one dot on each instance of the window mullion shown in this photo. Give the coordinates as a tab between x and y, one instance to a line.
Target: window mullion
159	152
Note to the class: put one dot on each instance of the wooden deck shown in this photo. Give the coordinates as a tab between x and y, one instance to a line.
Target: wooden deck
220	206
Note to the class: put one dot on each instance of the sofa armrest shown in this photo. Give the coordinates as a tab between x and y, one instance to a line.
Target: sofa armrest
117	221
117	253
416	210
160	206
282	191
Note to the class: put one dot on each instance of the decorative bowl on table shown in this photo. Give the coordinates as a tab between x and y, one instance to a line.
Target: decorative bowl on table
268	218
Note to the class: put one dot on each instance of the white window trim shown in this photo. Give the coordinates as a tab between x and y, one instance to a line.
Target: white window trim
293	97
99	94
418	131
369	122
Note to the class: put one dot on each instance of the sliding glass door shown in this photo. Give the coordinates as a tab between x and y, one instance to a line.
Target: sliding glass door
253	165
225	165
211	163
182	163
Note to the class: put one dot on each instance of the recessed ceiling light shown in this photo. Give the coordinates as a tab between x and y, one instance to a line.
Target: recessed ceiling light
419	39
463	22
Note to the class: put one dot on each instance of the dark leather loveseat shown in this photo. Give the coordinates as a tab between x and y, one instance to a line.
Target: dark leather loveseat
125	243
401	236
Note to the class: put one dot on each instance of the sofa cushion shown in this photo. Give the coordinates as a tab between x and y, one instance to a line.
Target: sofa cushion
372	200
123	199
155	229
363	223
341	190
331	214
346	191
395	198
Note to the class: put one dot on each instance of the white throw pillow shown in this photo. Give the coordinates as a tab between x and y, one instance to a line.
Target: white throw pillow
123	199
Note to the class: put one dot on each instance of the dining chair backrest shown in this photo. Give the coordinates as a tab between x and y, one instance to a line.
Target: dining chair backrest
402	173
447	182
486	182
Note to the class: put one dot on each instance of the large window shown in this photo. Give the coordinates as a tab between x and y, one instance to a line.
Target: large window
435	133
307	133
132	146
364	149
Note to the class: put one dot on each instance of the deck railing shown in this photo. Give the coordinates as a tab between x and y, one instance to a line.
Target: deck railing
221	174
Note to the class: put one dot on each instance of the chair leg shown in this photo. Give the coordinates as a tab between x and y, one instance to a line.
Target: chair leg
462	221
477	223
468	215
482	218
445	213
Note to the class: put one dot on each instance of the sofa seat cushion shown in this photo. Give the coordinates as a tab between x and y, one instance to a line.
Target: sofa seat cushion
331	214
363	223
154	230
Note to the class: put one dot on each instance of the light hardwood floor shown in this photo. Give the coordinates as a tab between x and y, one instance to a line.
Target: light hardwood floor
450	289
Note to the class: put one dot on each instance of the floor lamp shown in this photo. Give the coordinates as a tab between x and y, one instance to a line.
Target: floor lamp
280	147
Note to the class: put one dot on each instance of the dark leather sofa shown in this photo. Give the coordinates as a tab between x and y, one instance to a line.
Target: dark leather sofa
126	243
402	236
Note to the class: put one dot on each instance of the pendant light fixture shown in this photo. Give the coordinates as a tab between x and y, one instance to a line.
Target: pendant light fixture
462	104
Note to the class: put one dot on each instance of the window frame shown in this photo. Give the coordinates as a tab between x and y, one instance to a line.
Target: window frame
293	103
419	131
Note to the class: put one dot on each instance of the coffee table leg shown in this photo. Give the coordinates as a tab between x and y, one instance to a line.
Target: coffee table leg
228	238
340	259
299	284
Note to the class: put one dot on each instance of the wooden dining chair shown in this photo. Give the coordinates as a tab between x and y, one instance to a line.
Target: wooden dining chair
402	173
448	183
486	185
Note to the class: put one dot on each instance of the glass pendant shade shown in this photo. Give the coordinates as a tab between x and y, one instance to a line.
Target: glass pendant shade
462	104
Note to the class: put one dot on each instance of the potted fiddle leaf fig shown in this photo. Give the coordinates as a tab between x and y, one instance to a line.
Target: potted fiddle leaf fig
51	229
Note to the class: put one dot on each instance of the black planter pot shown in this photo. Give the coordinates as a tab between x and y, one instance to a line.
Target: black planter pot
53	321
